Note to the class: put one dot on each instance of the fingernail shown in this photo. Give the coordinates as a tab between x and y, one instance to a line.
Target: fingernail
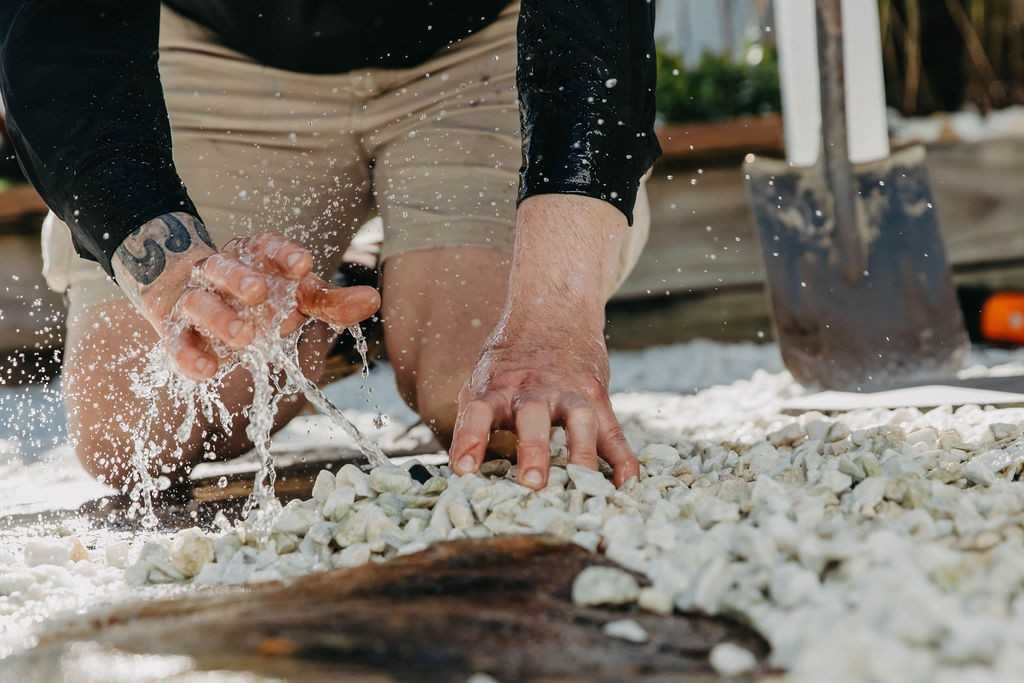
533	478
293	260
466	464
251	284
235	328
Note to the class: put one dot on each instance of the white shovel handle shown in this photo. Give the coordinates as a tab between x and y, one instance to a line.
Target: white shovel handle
867	129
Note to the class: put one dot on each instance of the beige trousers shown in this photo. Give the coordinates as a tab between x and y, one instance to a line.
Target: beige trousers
434	150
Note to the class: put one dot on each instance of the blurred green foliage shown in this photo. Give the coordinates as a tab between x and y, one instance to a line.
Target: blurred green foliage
718	87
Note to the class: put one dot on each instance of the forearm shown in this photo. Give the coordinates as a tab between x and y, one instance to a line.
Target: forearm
562	267
86	115
586	81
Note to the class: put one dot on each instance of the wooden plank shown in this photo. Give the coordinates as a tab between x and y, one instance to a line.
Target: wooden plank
744	134
701	236
19	204
737	314
702	230
731	315
978	194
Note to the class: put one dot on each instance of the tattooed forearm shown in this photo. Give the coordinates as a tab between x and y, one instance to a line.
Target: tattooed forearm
143	254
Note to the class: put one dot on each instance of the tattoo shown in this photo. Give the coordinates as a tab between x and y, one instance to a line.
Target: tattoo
176	237
203	235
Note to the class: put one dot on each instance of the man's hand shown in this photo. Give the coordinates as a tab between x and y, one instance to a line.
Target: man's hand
154	267
546	363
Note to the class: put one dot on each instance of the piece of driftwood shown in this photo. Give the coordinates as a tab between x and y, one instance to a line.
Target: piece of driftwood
500	606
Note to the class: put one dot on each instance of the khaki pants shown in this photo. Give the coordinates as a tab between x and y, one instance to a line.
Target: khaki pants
434	150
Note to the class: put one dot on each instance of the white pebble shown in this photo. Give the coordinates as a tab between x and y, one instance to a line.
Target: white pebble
589	481
390	479
626	629
604	586
350	475
190	550
118	554
587	539
732	660
354	555
48	551
654	600
323	486
339	502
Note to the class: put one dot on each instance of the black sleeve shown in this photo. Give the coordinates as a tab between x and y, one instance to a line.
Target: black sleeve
86	114
586	77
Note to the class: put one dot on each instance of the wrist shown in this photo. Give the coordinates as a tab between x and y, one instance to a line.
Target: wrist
562	265
155	262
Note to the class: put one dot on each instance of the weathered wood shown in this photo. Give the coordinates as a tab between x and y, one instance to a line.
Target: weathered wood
702	233
702	230
736	314
732	315
739	135
20	207
501	605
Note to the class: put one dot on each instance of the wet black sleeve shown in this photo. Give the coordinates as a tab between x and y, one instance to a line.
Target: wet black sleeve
86	114
586	77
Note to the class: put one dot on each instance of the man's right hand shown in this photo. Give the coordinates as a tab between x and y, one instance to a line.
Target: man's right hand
154	267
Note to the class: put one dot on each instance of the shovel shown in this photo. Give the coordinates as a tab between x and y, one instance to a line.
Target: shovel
861	293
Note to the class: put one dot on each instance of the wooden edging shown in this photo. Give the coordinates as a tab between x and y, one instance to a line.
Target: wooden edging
732	136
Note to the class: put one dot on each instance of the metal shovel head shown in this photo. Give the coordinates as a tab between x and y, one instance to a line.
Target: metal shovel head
896	322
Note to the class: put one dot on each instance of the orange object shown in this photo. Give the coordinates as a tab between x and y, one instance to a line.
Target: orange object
1002	317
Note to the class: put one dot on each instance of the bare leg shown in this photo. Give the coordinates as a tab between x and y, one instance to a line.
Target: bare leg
108	342
439	307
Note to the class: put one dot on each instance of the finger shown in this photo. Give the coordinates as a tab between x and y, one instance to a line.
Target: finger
533	452
472	431
207	311
235	247
581	435
613	447
337	306
290	259
292	322
191	354
235	278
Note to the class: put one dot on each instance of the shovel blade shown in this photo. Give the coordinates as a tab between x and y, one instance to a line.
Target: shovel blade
899	321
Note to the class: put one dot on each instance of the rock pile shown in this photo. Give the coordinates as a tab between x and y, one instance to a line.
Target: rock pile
888	553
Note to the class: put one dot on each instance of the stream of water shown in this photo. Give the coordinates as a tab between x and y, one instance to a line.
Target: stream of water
272	361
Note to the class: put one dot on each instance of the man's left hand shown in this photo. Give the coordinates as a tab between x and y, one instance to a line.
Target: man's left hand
526	385
546	363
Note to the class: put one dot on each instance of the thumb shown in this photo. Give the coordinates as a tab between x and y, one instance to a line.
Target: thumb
337	306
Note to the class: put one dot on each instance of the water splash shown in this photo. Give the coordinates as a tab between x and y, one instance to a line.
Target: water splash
273	363
380	420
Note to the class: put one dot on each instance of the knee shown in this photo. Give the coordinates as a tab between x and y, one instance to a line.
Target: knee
440	416
105	437
104	458
437	403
